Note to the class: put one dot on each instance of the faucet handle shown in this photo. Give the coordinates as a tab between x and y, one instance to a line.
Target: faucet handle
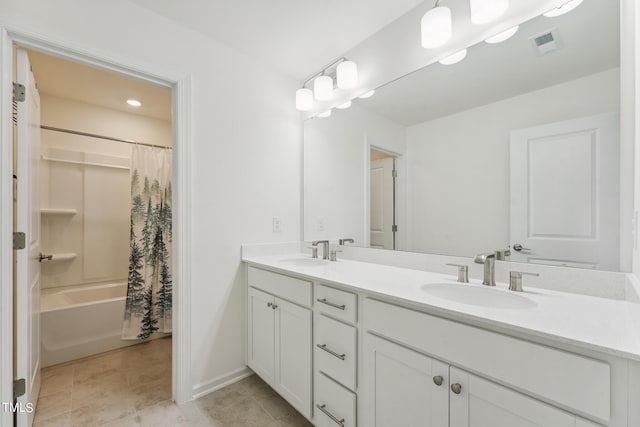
515	280
333	255
463	272
314	251
341	242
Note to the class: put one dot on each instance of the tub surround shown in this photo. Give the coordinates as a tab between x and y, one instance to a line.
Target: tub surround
379	339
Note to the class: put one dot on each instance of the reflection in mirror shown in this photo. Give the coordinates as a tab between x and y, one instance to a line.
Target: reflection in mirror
515	147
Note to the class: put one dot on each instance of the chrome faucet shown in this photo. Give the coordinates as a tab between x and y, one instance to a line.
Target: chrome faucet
325	247
489	261
341	242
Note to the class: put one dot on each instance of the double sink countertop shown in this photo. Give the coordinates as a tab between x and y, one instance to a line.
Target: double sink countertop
598	324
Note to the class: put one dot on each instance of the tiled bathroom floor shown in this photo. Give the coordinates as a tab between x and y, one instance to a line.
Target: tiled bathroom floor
132	387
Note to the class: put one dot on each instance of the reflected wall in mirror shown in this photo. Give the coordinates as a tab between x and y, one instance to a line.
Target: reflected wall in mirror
517	147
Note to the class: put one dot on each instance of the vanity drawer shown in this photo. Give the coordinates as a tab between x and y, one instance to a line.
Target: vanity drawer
335	405
339	304
286	287
570	380
336	350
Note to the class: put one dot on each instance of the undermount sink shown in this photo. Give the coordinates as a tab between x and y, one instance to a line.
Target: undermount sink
478	295
304	262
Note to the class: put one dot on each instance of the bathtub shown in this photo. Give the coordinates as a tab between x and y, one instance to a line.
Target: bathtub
80	321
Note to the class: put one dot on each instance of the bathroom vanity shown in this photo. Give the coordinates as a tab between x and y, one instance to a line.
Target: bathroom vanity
351	343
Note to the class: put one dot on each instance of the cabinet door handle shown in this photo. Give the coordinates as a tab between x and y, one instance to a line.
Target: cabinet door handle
331	352
330	415
269	304
338	306
438	380
274	306
456	388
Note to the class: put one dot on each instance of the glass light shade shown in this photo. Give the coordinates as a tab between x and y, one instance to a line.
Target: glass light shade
505	35
304	99
455	58
344	106
325	114
485	11
323	88
367	94
436	27
347	75
567	7
134	102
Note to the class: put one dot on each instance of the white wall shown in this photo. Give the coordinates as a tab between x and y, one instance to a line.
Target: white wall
246	151
336	170
458	166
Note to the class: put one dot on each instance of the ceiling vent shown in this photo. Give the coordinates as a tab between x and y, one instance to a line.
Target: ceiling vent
546	42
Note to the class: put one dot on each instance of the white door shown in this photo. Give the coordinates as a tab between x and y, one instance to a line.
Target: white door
261	351
382	193
481	403
293	355
565	194
404	388
27	306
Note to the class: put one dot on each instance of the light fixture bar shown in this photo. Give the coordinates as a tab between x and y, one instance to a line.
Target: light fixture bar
323	71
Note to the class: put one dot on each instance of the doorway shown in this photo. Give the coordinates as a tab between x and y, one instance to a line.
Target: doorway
176	135
382	198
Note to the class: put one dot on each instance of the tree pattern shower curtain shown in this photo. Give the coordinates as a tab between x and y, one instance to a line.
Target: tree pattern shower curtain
149	290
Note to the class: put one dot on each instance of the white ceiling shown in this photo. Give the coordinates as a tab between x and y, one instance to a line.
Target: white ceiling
65	79
297	37
589	38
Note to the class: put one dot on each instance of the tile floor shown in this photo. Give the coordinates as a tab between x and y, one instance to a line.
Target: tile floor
132	387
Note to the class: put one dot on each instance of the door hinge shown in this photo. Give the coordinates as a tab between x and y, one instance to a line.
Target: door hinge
19	92
19	240
19	387
394	228
394	173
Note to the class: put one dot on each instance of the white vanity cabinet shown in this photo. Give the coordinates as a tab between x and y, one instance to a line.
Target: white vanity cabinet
280	335
404	386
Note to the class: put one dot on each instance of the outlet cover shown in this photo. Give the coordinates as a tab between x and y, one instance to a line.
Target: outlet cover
277	224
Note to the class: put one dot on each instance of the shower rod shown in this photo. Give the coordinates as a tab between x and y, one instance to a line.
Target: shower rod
93	135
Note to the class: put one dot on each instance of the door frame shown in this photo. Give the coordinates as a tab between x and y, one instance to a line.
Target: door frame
180	86
400	193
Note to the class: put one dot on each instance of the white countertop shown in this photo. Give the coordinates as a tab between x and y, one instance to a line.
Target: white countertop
604	325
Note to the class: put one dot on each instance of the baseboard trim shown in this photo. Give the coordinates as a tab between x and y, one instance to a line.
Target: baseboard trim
217	383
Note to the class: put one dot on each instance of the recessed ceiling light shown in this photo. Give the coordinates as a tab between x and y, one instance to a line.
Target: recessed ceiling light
565	8
367	94
325	114
344	106
134	102
455	58
505	35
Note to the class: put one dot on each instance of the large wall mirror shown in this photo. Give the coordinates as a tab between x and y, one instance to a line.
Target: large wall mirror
515	147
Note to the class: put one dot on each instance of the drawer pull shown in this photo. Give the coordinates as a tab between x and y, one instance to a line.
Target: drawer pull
438	380
338	306
331	352
456	388
330	415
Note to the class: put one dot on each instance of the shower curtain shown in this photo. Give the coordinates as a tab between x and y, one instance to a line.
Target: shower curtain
149	290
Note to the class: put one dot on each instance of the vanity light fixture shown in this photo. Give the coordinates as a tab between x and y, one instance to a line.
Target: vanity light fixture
505	35
436	27
347	75
325	114
485	11
134	102
344	106
304	99
455	58
323	88
367	94
565	8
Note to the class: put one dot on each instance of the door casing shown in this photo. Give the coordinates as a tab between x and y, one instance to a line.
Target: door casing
181	117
